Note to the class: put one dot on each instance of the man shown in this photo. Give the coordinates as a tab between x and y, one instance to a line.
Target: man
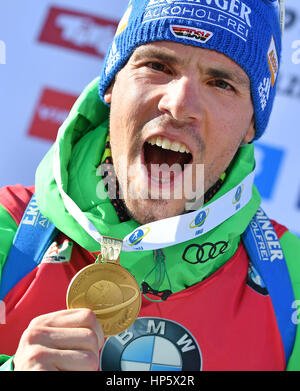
187	85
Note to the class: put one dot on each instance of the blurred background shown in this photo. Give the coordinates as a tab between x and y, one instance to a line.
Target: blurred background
50	50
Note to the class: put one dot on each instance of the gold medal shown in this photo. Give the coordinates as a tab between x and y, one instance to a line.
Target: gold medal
108	289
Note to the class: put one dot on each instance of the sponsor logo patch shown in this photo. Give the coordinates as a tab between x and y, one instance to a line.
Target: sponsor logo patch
267	241
238	194
58	253
138	235
201	253
34	217
237	197
264	92
199	219
273	61
192	34
152	344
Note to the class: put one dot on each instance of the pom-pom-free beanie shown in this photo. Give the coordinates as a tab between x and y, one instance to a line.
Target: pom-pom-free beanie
247	31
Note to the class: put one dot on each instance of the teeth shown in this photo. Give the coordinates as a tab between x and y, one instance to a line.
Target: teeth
165	143
175	146
158	141
182	148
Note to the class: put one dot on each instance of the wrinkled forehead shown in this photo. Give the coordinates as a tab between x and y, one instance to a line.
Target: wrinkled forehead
201	59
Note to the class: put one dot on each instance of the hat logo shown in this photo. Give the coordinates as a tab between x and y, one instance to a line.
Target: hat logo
113	58
193	34
273	61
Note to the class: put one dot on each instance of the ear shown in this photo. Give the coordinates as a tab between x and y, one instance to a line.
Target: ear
250	133
108	94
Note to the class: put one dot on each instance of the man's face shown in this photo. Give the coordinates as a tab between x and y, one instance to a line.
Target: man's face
179	106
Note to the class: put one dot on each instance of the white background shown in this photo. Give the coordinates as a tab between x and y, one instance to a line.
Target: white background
32	65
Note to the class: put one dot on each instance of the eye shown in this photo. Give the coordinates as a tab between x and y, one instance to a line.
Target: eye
158	66
222	84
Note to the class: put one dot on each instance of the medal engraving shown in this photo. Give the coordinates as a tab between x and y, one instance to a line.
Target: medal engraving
110	249
108	289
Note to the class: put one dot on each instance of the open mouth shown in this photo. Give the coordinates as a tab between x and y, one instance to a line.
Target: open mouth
165	158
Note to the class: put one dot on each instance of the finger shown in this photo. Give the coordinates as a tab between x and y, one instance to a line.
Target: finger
66	338
75	360
34	358
75	319
79	317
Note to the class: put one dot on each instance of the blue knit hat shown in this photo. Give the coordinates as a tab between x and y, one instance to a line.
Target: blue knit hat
247	31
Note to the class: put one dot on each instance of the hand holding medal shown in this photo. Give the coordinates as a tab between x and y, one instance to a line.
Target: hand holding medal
108	289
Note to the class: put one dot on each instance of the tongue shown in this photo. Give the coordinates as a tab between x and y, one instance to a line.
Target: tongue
158	155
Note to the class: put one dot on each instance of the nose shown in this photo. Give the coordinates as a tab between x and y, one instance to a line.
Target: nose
182	99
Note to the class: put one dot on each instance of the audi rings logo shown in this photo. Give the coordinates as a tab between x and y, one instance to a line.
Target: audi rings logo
196	253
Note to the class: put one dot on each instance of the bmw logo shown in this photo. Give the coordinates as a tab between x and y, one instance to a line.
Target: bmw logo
152	344
199	219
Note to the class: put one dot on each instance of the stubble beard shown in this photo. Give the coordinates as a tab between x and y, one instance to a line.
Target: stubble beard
139	203
146	211
145	205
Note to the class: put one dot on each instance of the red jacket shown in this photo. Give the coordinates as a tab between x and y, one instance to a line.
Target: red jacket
208	326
